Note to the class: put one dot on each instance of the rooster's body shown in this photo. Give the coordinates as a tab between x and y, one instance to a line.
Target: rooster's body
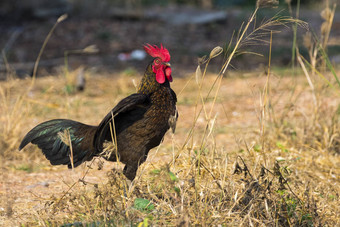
140	122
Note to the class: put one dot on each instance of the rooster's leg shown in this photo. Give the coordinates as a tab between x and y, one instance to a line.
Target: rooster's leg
130	170
131	166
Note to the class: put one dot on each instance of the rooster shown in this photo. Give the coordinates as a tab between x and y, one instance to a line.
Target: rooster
134	126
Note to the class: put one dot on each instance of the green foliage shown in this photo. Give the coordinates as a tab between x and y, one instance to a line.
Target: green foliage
143	205
173	177
29	168
281	146
257	148
69	88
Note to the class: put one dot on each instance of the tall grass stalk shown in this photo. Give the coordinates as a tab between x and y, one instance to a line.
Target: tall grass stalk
308	77
329	64
35	68
243	39
322	76
295	27
219	78
265	98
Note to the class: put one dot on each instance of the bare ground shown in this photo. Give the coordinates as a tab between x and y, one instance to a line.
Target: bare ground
29	185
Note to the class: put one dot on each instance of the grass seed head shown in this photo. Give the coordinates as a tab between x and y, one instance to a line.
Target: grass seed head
215	52
202	60
65	136
198	74
92	49
62	18
326	14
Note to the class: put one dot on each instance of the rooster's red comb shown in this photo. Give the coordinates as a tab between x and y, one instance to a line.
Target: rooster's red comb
156	52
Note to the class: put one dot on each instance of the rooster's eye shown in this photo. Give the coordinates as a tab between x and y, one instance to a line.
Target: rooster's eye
157	61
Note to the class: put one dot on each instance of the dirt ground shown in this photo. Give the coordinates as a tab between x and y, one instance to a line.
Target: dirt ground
29	183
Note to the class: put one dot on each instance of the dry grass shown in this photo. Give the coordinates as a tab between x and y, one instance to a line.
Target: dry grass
252	149
229	172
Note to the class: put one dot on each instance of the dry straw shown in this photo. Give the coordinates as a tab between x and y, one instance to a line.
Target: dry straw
204	183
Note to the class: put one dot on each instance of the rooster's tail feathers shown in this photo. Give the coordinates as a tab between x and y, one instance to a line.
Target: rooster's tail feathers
63	142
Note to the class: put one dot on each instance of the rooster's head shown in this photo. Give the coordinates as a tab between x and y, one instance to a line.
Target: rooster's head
160	65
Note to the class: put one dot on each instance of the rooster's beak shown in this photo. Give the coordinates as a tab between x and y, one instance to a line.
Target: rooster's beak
167	64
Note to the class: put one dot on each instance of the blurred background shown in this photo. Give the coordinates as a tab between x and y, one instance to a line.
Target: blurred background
116	30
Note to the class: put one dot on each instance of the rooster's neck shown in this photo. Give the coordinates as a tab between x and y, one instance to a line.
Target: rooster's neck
149	84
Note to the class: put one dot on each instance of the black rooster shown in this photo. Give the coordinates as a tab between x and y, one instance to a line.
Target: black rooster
140	122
